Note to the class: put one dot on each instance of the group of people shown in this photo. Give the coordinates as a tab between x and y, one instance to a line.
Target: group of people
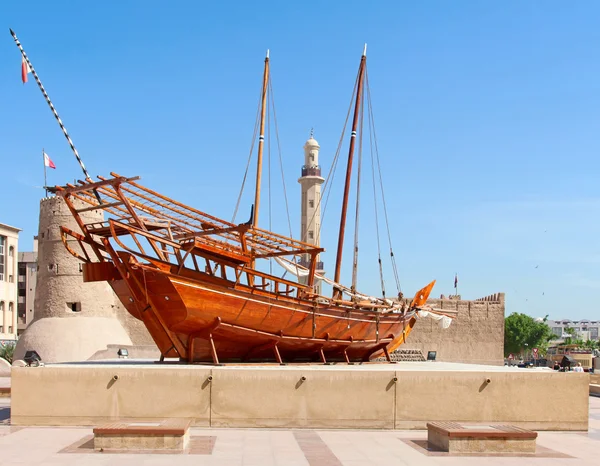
577	368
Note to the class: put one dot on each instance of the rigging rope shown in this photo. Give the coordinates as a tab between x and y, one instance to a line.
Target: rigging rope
331	175
287	209
357	214
393	259
376	209
256	125
269	173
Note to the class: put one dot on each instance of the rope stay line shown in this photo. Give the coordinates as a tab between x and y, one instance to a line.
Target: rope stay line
279	151
375	202
257	122
327	186
357	213
387	224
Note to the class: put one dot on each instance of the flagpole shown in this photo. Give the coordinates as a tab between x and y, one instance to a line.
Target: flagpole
45	182
456	284
49	102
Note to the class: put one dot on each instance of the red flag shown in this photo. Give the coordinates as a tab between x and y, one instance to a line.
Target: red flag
48	162
24	70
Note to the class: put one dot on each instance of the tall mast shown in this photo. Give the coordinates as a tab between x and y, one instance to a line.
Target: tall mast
338	262
261	140
54	112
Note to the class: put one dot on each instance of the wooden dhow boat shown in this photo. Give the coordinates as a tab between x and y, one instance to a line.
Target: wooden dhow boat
193	279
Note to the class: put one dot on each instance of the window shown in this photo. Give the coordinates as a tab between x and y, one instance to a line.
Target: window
10	329
312	157
11	279
74	307
1	306
311	203
311	235
2	243
10	307
557	331
1	329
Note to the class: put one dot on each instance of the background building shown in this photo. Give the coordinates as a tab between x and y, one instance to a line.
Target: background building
27	280
9	242
582	329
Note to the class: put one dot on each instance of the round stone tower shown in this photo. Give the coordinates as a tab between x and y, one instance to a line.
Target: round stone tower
310	182
72	319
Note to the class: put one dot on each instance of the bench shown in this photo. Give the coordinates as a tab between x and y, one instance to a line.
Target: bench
455	437
170	434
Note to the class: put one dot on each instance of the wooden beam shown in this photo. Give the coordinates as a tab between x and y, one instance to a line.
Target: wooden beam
91	186
99	206
213	231
289	253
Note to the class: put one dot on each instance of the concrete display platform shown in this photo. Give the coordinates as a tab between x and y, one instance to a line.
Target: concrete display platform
170	434
368	396
454	437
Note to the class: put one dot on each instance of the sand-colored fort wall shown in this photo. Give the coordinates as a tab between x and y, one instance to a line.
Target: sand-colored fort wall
387	396
475	336
61	331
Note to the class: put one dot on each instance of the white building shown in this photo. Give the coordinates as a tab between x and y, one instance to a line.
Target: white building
310	183
9	242
27	281
582	329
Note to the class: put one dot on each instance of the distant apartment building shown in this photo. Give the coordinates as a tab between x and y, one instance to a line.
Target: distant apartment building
582	329
27	280
9	242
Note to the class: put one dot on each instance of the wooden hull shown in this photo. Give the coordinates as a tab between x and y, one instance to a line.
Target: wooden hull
206	319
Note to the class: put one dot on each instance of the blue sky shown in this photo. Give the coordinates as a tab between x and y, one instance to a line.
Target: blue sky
486	116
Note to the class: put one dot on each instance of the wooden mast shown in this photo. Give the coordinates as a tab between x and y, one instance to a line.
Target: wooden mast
261	141
338	263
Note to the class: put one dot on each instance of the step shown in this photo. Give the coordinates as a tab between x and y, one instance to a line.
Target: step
455	437
167	434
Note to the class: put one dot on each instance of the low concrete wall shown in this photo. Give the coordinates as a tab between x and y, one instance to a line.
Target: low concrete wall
401	396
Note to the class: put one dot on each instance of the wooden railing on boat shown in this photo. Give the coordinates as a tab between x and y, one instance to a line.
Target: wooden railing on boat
177	233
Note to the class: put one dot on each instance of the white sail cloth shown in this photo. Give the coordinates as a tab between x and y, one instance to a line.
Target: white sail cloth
295	269
443	320
300	271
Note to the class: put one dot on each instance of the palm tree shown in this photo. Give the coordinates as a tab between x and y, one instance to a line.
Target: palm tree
569	331
7	351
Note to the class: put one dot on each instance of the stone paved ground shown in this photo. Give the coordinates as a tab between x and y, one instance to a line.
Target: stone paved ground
50	446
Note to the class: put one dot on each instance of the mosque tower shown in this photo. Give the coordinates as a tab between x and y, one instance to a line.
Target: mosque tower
310	183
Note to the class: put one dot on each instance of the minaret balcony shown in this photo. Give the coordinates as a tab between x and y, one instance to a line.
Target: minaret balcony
314	170
306	263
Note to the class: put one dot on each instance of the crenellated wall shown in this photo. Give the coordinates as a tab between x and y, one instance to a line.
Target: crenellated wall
476	334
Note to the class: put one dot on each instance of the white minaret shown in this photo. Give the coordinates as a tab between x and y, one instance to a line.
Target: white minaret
310	183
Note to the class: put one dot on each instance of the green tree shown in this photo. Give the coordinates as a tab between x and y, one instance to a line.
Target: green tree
7	351
590	344
522	331
571	332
